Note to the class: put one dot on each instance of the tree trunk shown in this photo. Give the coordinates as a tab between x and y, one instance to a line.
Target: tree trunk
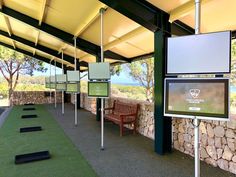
10	93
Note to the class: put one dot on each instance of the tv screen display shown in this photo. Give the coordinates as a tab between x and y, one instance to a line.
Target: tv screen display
73	76
199	54
208	98
99	89
98	71
61	86
72	87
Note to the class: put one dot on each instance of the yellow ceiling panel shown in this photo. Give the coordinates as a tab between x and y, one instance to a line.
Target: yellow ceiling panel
5	40
22	30
68	15
214	16
27	7
115	26
50	41
169	5
70	50
3	25
128	50
144	42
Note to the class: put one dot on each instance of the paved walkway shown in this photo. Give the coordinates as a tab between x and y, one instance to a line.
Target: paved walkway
127	156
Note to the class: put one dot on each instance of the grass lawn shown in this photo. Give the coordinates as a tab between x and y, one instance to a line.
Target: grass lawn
66	160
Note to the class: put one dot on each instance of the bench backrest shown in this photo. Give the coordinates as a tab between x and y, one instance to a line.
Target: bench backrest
125	108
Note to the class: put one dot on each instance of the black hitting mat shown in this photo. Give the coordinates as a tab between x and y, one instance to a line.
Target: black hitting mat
28	104
29	116
28	109
30	129
30	157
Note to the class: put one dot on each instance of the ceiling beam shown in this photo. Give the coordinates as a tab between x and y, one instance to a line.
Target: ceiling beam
145	14
37	38
184	10
179	28
8	25
38	47
42	12
82	44
140	11
9	29
38	57
91	17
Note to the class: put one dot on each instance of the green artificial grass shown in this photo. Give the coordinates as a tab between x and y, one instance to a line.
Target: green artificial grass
66	160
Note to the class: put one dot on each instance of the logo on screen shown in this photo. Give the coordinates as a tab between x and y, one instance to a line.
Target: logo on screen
194	92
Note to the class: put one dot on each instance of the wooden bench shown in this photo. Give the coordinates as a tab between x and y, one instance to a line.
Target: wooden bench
122	114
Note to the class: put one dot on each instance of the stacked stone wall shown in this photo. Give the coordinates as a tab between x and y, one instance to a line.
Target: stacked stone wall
36	97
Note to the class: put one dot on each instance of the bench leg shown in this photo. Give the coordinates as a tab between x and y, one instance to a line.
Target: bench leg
121	129
134	131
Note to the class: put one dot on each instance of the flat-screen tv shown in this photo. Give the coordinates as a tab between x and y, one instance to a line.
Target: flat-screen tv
73	87
197	98
99	89
61	86
61	78
73	76
199	54
99	71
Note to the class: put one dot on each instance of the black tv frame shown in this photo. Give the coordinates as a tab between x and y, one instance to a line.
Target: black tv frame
199	115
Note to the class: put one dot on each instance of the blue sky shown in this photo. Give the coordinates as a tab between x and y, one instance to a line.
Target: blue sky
123	78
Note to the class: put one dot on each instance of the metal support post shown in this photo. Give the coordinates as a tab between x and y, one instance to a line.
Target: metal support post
196	121
55	95
62	92
76	118
102	10
50	100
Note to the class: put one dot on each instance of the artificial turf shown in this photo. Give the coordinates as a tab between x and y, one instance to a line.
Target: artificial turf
66	160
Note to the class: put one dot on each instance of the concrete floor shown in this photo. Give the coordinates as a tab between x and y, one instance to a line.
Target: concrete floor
127	156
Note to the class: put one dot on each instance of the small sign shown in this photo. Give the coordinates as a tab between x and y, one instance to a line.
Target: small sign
99	89
73	87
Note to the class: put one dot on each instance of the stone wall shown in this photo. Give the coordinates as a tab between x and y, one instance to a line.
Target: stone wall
218	142
36	97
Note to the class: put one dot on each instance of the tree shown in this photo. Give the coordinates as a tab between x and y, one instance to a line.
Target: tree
233	62
12	64
143	72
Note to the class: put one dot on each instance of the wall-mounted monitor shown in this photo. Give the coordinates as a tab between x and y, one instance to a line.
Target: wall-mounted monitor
197	98
98	89
73	87
73	76
61	78
99	71
199	54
